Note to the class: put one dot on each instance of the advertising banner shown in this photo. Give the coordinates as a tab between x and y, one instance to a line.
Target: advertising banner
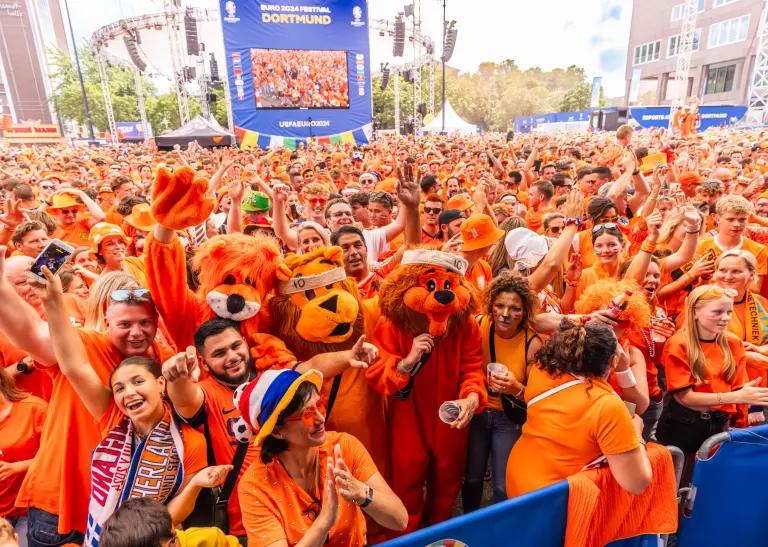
298	69
594	101
711	116
132	130
634	84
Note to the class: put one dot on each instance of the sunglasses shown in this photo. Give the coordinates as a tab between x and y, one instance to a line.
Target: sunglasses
69	211
313	511
46	187
433	210
555	229
309	415
121	295
605	226
614	219
317	201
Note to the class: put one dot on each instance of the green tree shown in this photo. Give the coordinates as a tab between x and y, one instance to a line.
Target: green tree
580	98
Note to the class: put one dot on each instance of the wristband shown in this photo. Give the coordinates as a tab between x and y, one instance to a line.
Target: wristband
635	173
648	246
570	283
571	222
625	378
690	230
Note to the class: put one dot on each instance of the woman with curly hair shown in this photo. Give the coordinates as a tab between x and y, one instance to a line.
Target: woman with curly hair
509	305
575	420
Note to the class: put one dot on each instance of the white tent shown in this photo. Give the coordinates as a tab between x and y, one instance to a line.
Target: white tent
453	123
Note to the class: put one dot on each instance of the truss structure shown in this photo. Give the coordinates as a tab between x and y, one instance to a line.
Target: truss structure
142	108
685	48
107	100
757	110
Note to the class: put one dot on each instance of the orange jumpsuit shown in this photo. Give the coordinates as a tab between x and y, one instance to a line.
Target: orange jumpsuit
423	449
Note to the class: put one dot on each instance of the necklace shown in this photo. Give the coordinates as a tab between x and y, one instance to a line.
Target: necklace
651	345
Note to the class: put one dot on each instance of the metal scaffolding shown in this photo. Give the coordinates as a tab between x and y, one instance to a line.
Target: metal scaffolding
397	101
142	108
202	82
758	93
685	48
107	100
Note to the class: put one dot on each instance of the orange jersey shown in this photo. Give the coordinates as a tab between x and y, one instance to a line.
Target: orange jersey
220	414
429	239
480	275
680	376
275	508
75	234
38	383
19	440
535	219
566	431
58	478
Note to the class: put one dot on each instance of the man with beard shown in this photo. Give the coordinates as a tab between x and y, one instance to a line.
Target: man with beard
208	405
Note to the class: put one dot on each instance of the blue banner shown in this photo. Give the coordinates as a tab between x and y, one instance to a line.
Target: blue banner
594	101
132	130
298	68
711	116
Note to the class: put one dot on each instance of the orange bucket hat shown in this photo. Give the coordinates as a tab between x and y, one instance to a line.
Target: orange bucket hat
479	231
64	201
105	230
141	218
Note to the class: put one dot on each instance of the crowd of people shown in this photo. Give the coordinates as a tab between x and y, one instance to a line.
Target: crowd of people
472	309
300	79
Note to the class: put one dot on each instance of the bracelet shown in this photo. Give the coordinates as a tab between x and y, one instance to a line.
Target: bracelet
648	246
642	442
570	283
522	388
625	378
696	230
719	399
402	370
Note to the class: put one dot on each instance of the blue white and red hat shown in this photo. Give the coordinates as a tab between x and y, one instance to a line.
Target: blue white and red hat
261	401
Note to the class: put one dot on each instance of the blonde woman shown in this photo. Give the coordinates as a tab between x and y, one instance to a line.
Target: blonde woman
706	371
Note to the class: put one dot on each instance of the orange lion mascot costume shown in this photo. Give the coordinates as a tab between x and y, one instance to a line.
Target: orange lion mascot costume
427	297
318	309
236	272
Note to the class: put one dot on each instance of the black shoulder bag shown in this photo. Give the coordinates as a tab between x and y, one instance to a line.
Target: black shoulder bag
514	409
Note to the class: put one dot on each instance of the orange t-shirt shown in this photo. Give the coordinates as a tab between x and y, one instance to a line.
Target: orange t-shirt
480	274
75	234
275	508
429	239
680	376
566	431
221	414
19	440
586	250
535	219
113	217
38	383
760	252
58	479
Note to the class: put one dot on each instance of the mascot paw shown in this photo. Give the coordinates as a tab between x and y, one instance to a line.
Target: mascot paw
180	200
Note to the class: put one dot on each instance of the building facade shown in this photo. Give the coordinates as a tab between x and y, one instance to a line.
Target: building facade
723	55
28	30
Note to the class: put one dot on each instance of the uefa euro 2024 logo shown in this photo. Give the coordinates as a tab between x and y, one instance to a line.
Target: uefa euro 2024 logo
357	13
231	8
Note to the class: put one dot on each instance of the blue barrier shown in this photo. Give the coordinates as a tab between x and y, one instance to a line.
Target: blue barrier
730	494
536	519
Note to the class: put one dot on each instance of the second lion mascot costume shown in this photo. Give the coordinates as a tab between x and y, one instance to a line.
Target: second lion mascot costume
430	353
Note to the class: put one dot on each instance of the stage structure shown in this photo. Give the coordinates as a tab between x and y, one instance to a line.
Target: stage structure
424	50
683	66
125	44
299	70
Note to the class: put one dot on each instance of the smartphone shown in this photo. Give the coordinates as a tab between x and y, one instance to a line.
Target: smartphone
55	254
321	165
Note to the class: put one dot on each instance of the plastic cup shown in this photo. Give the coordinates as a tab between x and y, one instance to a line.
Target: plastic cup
497	369
449	412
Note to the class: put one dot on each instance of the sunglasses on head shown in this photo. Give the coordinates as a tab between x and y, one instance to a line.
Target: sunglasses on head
121	295
308	416
433	210
605	226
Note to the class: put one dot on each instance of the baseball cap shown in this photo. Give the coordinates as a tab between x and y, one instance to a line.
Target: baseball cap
478	232
449	215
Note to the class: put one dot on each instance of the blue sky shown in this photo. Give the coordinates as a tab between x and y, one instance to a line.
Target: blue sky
545	33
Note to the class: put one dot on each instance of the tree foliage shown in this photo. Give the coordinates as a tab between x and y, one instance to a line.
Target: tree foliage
67	96
493	96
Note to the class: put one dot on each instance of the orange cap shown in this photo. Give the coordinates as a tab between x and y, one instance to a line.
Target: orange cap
460	202
479	231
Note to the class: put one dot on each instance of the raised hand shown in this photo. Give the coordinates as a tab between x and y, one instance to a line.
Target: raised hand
182	365
212	476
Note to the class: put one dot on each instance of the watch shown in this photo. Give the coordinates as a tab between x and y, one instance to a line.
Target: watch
368	497
24	368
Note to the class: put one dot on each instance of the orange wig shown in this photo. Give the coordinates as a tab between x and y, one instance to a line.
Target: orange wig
599	295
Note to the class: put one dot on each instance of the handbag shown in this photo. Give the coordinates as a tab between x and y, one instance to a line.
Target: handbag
514	409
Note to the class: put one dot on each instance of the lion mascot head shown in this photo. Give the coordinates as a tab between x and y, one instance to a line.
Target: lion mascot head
236	273
428	293
317	308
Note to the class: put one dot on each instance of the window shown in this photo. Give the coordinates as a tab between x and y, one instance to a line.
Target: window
675	43
679	9
728	32
720	79
719	3
647	53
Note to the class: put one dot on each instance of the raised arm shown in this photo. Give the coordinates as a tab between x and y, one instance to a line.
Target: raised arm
280	222
181	373
69	349
21	323
235	215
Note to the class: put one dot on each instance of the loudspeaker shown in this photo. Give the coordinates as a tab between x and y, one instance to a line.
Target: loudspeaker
399	47
422	109
214	69
190	31
133	50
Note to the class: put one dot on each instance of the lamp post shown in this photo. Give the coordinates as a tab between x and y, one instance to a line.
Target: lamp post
80	76
442	98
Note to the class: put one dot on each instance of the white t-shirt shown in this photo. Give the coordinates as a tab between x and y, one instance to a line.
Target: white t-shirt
376	241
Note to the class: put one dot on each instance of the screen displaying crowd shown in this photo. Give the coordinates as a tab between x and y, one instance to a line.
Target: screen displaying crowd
284	78
341	344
